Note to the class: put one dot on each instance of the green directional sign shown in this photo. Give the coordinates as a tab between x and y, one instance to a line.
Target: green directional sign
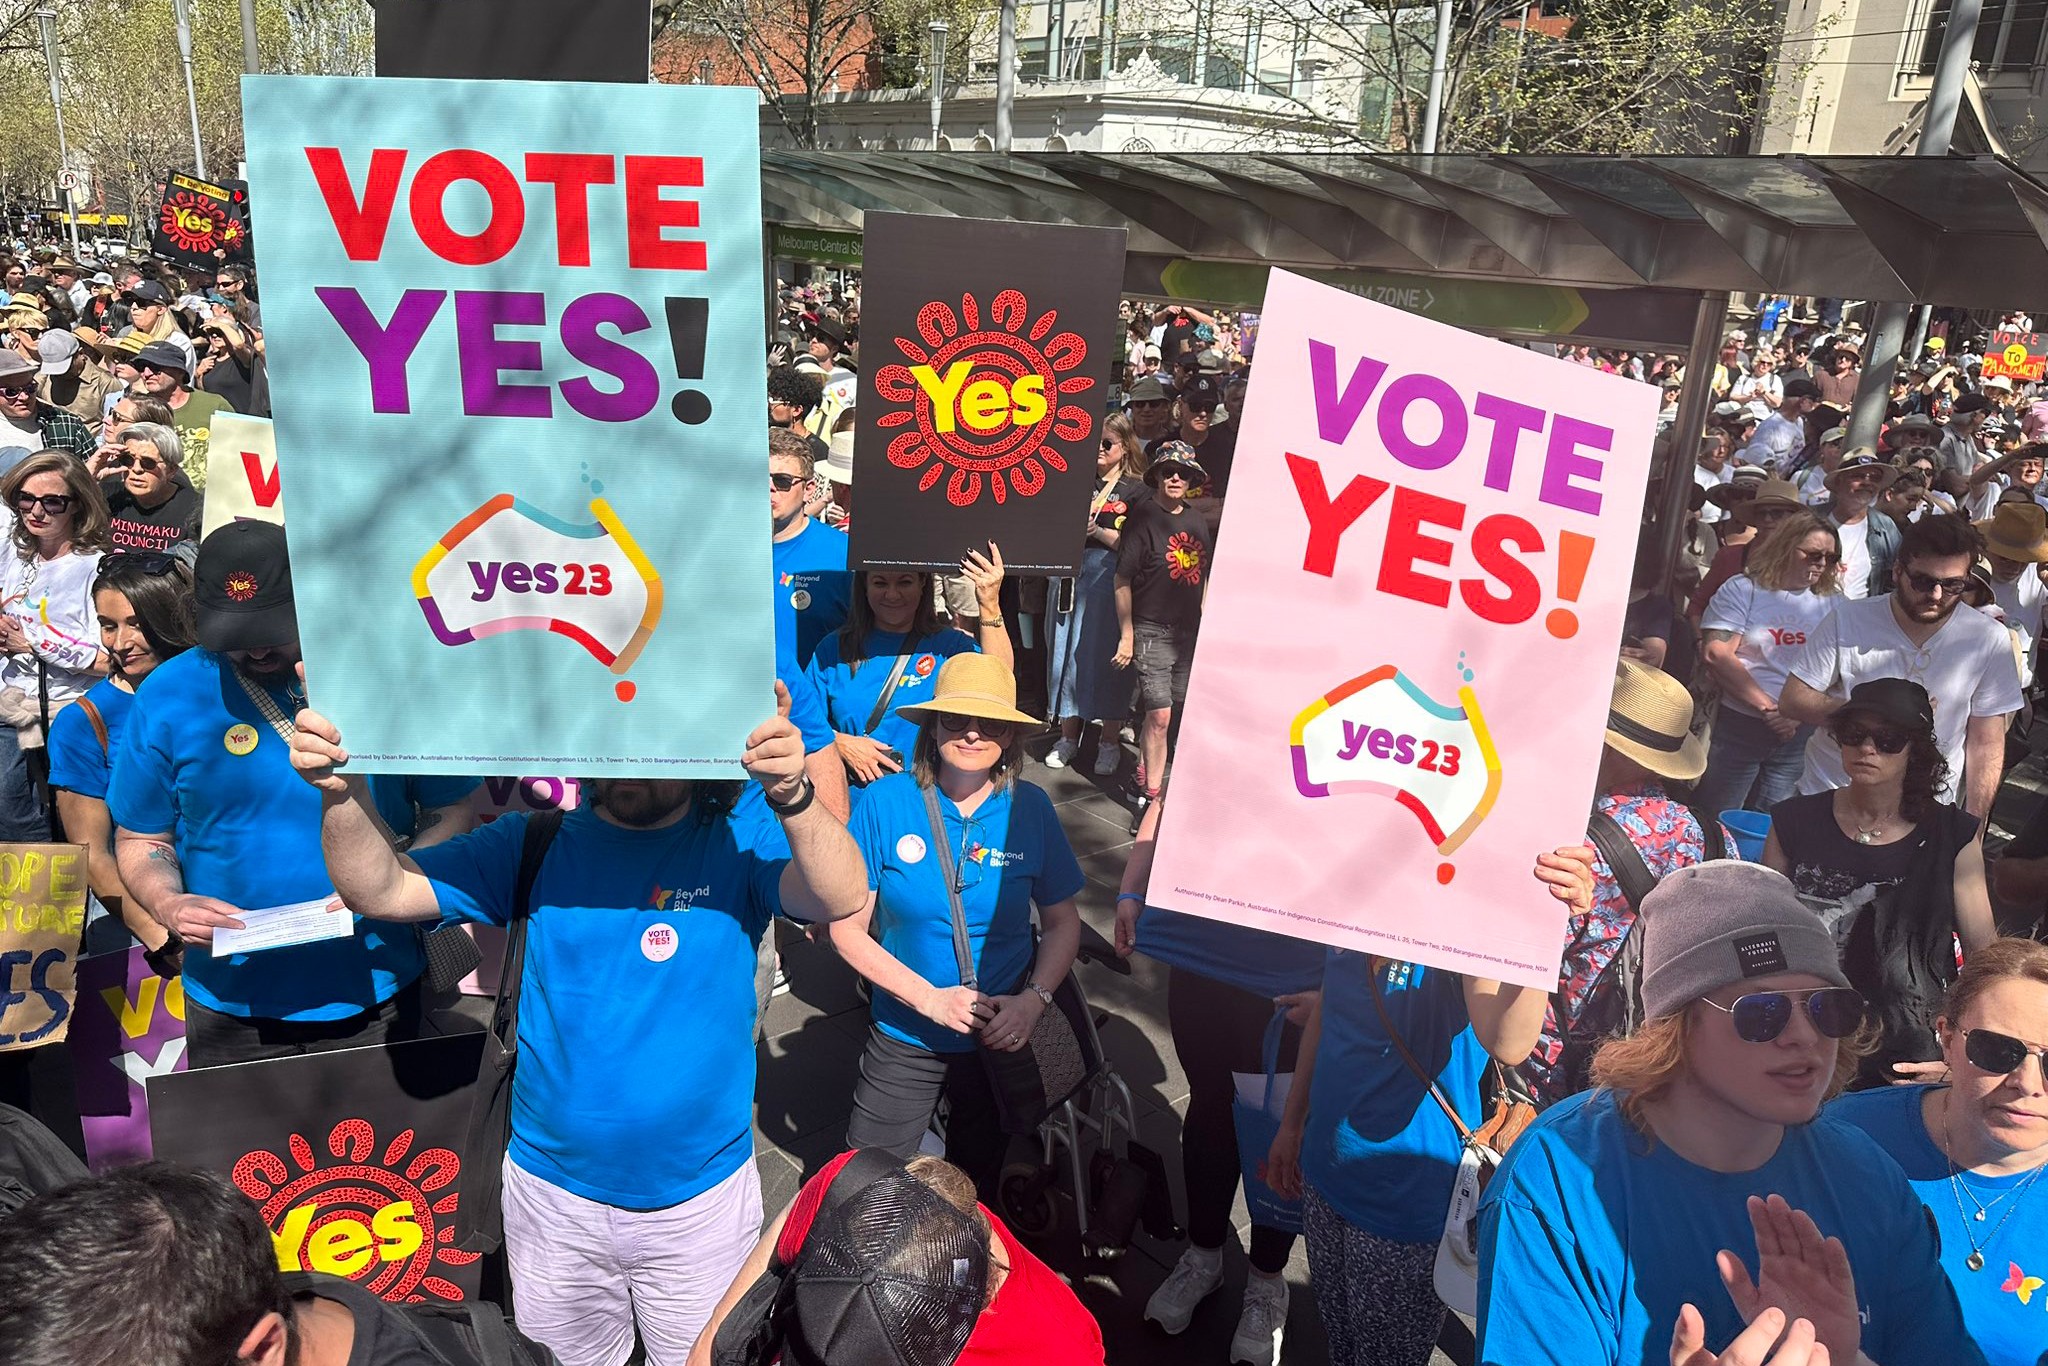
1480	305
823	246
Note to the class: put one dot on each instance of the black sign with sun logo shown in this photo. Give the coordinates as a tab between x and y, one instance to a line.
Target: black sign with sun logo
196	222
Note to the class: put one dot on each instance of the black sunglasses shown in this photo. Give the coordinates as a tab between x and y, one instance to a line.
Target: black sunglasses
150	367
141	561
1761	1016
783	483
1819	556
1925	584
956	724
1990	1051
1888	739
54	504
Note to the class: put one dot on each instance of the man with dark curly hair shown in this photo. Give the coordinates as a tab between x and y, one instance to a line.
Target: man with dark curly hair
1963	659
792	395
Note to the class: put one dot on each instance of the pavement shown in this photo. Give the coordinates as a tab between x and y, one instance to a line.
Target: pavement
810	1053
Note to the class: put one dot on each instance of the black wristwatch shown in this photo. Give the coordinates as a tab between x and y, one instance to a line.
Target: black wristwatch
797	807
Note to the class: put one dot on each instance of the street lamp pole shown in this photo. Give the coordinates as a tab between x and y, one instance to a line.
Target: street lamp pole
46	20
183	11
939	29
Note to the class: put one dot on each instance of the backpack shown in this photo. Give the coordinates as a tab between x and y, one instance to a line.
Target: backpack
466	1333
1614	1005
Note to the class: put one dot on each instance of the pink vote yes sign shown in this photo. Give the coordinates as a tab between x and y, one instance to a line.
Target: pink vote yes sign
1409	638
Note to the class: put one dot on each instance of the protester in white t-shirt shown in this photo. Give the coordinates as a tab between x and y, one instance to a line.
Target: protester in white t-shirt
1761	389
2016	542
1756	625
1963	659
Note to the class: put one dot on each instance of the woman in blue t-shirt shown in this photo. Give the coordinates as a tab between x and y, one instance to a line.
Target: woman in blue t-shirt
1365	1141
888	653
144	604
1975	1148
960	812
1693	1191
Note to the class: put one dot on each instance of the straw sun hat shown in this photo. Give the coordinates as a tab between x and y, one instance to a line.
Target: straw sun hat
972	685
1649	720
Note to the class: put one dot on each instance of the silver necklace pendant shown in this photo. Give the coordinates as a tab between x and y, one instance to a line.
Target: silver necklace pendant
1975	1261
1866	837
1980	1216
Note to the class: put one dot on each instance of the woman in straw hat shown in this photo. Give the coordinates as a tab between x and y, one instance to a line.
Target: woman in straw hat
1763	505
957	835
1753	629
1650	743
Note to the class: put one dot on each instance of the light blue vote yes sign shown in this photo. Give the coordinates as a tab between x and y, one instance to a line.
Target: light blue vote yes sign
514	339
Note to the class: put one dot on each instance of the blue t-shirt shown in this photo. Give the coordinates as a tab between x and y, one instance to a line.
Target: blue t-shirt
2011	1330
400	797
1010	853
813	587
197	759
77	761
806	707
1377	1147
1591	1238
851	692
1257	961
635	1085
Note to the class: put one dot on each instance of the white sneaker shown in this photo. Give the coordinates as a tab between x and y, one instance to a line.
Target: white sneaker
1193	1279
1108	759
1062	753
1257	1341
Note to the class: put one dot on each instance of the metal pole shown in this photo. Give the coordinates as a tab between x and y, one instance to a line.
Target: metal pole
1006	71
1439	60
46	21
1683	452
251	62
184	17
1937	130
938	31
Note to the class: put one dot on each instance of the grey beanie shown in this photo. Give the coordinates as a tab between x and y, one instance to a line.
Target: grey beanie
1724	921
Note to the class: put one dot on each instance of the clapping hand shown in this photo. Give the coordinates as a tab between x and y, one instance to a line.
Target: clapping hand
1799	1273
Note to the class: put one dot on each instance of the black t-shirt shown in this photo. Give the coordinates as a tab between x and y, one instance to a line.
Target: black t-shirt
1166	558
233	381
1839	877
1124	497
158	528
383	1335
1180	331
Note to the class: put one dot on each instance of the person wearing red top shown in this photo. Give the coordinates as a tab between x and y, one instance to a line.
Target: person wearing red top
1031	1319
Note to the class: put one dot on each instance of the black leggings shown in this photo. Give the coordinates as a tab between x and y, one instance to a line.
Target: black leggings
1218	1029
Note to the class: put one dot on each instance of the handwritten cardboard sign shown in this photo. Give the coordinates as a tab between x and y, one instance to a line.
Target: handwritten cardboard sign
42	916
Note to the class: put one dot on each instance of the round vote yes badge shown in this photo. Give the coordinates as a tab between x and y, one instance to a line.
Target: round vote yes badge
240	739
910	849
658	943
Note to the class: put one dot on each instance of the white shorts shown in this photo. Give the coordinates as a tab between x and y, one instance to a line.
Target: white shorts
585	1274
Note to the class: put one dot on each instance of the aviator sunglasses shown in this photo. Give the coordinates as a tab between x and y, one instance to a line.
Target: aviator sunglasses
1761	1016
1990	1051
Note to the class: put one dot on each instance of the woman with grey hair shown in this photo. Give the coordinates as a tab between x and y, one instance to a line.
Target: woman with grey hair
153	506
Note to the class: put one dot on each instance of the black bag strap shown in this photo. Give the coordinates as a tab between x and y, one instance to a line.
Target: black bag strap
533	851
1623	859
888	691
961	949
1711	843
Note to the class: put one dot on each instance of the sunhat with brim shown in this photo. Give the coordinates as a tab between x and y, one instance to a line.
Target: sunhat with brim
972	685
1772	493
1740	487
1858	461
121	348
1916	429
837	467
2017	531
1649	720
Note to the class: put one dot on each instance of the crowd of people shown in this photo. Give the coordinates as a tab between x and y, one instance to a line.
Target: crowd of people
1782	1109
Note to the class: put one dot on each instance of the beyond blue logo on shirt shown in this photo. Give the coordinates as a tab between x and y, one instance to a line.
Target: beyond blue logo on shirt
675	898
